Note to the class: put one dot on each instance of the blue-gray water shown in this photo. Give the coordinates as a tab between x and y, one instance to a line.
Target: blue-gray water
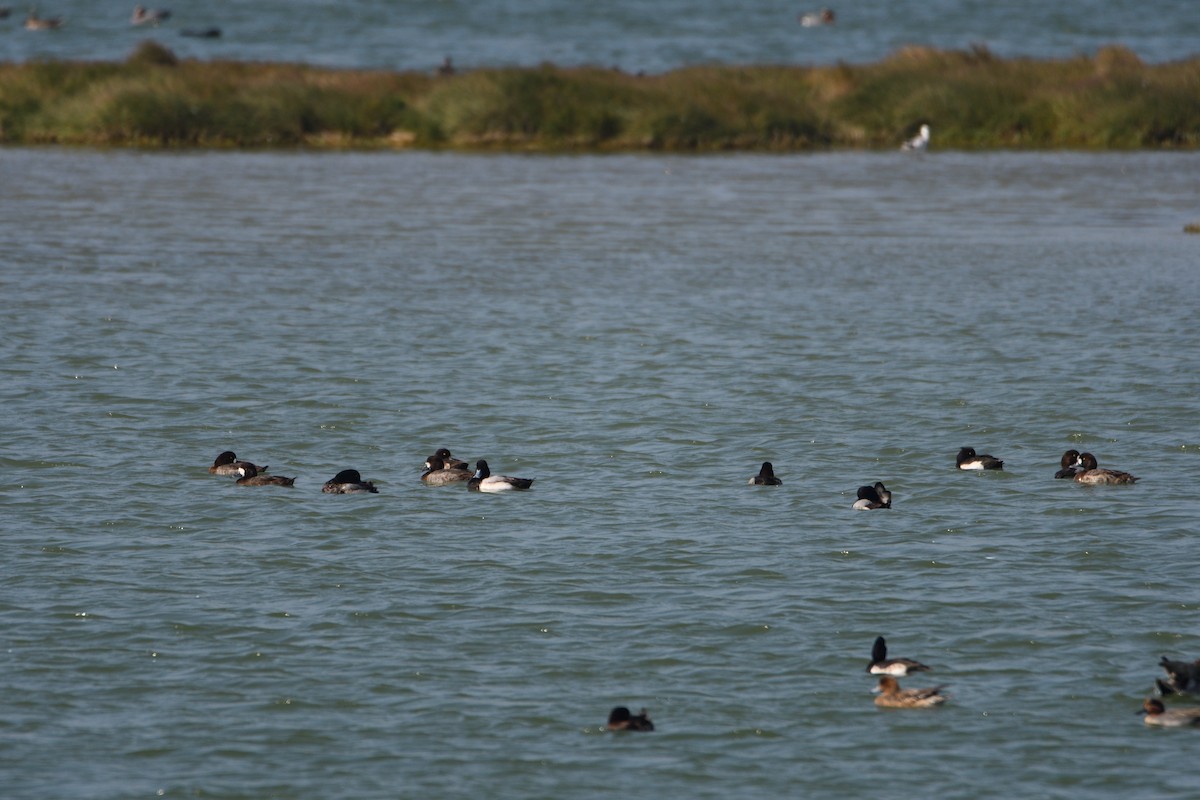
637	333
630	34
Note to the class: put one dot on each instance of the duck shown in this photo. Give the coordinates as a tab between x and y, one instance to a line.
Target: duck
250	477
201	33
872	497
438	474
35	23
968	459
622	720
766	476
348	481
918	142
1158	714
1091	474
1070	462
815	19
148	16
227	464
448	461
1183	677
892	696
882	665
485	481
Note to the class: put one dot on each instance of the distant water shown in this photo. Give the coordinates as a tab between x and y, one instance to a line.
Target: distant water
629	34
638	333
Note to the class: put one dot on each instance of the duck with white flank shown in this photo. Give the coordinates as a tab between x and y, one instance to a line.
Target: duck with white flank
1070	465
227	464
882	665
968	459
892	696
918	142
1158	714
766	476
438	474
348	481
1091	474
250	477
872	497
622	720
485	481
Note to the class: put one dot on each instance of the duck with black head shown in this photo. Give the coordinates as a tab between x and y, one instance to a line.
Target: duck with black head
882	665
622	720
485	481
1070	465
348	481
968	459
227	463
766	476
872	497
250	477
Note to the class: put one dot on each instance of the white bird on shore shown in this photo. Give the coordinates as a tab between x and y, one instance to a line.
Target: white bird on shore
918	142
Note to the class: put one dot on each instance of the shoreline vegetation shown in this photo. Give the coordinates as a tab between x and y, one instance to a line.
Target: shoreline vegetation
971	99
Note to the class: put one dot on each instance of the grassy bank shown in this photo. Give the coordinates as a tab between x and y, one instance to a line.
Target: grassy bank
971	99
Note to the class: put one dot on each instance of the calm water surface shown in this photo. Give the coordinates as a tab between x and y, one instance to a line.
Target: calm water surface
630	34
638	333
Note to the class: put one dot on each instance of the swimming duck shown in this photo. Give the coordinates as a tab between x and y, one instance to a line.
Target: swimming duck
882	665
227	464
766	476
35	23
201	33
1070	461
448	461
871	497
250	477
918	142
892	696
348	481
148	16
817	18
438	474
1182	677
1090	473
485	481
621	720
1158	714
967	459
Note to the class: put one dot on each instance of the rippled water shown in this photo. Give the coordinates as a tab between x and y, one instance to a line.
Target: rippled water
629	34
638	333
